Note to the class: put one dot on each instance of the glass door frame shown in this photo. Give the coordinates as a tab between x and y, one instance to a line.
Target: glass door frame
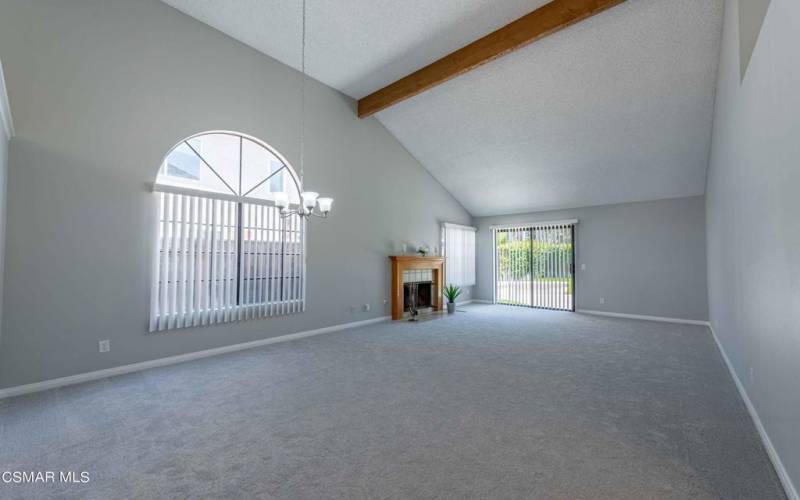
530	227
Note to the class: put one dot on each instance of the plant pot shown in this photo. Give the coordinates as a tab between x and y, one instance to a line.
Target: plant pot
451	307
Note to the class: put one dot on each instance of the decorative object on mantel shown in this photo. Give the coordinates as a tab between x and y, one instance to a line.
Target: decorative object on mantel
309	200
451	292
402	263
422	251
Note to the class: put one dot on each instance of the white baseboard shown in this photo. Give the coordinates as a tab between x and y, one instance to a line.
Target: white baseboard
648	318
171	360
464	302
481	301
783	475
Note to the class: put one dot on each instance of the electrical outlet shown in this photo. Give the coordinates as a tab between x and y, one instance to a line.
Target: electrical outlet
366	307
385	301
583	267
104	345
602	300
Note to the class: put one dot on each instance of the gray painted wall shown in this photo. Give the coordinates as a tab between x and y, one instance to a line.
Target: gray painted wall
644	258
3	176
102	89
751	18
752	217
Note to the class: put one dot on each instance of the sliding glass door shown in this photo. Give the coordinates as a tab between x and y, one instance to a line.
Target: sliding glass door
534	266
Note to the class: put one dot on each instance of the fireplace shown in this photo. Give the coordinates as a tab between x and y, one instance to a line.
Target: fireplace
422	291
425	274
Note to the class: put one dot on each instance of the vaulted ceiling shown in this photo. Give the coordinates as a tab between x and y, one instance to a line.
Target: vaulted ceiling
614	109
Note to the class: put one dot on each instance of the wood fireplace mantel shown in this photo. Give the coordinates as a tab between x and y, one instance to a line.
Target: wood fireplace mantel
402	263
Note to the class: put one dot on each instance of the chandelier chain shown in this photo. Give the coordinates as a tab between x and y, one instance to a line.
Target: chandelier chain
308	200
303	96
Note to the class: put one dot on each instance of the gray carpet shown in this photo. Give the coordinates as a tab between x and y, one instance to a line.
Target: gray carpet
496	402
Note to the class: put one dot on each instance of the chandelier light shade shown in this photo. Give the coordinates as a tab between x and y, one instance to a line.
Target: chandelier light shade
309	200
325	205
281	200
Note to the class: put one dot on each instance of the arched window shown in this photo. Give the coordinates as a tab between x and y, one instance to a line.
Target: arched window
223	250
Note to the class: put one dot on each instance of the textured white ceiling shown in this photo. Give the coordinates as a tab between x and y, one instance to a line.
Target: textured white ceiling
617	108
357	46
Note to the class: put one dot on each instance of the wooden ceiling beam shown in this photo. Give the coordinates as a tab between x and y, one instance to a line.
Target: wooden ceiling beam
543	21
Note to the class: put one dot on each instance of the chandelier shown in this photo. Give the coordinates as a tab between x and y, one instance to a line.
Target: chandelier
310	201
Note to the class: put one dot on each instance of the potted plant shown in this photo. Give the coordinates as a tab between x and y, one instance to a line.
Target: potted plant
452	293
422	251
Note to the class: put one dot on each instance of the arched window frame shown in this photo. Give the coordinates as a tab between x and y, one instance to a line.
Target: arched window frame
233	196
222	257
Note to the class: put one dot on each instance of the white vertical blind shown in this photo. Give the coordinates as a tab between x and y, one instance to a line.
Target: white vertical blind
459	250
513	267
534	265
202	274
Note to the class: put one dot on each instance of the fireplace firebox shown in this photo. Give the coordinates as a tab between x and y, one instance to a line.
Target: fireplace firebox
422	291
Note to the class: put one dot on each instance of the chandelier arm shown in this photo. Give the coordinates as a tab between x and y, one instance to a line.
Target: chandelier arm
289	213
